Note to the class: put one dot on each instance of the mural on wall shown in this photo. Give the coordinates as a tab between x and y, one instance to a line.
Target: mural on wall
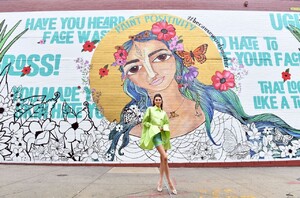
75	87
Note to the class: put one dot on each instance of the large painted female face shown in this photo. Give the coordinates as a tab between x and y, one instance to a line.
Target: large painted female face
150	65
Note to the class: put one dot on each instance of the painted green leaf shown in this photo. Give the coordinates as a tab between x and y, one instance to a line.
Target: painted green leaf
4	37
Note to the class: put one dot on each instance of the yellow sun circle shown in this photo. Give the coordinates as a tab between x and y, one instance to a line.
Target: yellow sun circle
112	97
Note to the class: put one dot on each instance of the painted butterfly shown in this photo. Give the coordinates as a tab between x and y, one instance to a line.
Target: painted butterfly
279	137
234	147
189	57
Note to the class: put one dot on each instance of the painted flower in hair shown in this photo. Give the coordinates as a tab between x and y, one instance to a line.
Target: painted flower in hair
120	56
26	70
180	86
223	81
176	44
253	132
163	30
191	74
108	157
89	46
119	62
103	71
286	75
119	128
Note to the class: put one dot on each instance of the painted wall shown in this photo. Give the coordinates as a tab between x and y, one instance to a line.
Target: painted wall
75	85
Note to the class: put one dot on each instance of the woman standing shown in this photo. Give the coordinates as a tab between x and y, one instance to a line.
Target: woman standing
156	133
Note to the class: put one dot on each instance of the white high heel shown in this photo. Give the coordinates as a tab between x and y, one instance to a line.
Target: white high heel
159	187
173	190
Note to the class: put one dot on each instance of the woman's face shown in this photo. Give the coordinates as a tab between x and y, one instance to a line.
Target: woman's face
158	101
150	65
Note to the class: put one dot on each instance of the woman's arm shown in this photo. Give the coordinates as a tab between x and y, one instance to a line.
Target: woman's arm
146	118
166	123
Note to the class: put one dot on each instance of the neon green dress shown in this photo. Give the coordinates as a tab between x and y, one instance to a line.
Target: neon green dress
153	118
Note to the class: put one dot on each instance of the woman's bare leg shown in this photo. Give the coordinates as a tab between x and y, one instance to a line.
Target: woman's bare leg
163	159
165	166
167	172
161	171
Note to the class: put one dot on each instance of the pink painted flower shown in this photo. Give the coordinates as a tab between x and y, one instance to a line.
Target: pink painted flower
223	81
119	62
172	45
121	54
175	44
163	30
179	47
175	39
178	77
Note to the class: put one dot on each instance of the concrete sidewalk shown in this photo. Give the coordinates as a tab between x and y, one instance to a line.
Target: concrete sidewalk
97	181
